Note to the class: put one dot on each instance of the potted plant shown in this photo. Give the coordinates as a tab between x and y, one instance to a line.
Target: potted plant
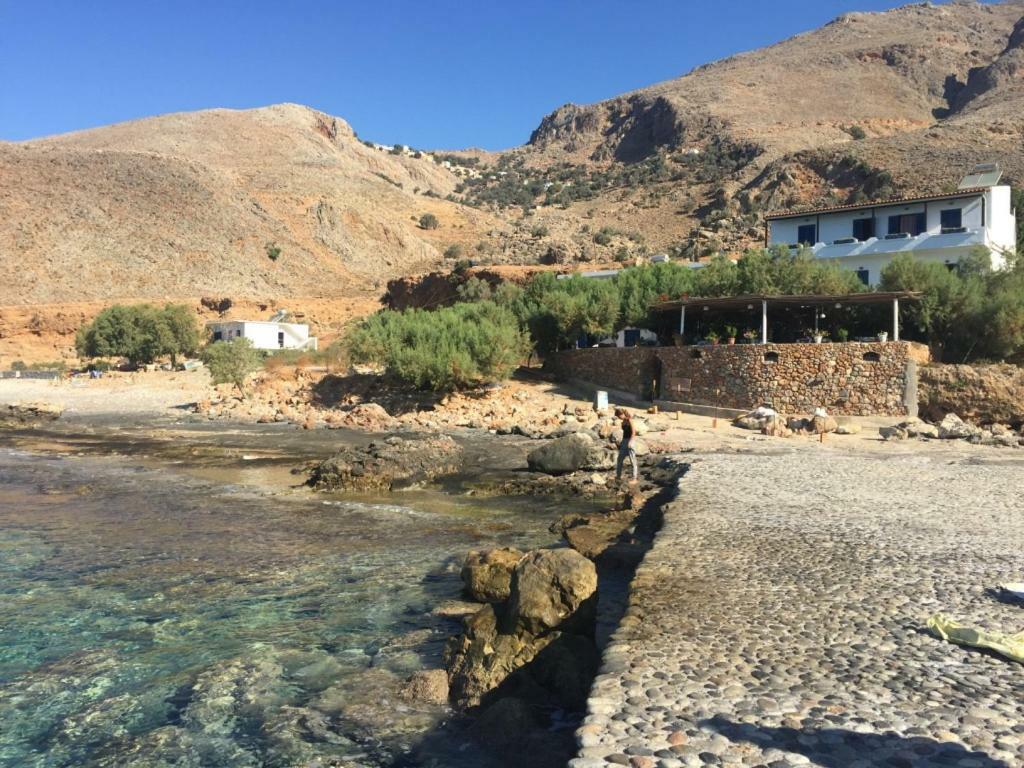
712	336
750	335
730	334
883	336
842	334
814	333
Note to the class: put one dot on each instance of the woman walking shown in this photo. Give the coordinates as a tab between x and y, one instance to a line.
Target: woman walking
627	448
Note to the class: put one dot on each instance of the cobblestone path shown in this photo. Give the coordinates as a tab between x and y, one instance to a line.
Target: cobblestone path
779	619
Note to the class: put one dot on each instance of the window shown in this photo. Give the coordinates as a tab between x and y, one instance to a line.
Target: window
952	220
912	224
863	228
280	339
864	276
807	233
218	335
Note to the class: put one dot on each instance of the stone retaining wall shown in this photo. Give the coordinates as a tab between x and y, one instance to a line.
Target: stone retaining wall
856	379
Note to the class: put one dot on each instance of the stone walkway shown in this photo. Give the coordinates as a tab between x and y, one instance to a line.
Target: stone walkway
778	619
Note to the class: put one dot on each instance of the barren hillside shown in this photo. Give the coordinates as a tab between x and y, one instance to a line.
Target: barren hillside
198	203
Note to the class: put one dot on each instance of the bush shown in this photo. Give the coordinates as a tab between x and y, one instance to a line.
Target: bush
429	221
452	348
539	231
141	333
453	251
856	132
273	252
232	362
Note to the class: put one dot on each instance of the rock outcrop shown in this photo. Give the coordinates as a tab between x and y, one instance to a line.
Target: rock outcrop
539	642
15	415
388	464
982	394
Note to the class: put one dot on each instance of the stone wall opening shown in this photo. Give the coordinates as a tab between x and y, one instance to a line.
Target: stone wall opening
771	357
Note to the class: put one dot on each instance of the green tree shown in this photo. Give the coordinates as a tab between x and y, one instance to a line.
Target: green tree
947	313
140	332
184	330
429	221
461	346
232	362
640	287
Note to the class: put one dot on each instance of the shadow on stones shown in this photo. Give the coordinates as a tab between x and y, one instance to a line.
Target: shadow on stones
840	748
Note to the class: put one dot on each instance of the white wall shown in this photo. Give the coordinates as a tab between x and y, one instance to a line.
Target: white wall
264	335
1001	233
839	225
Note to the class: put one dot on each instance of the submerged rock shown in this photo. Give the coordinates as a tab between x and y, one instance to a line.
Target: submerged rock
487	575
388	464
428	685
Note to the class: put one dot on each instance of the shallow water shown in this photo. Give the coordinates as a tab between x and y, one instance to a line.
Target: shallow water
174	603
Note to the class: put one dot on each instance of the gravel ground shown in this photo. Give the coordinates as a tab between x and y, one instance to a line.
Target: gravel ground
779	618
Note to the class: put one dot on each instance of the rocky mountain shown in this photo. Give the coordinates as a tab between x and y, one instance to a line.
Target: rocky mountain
286	201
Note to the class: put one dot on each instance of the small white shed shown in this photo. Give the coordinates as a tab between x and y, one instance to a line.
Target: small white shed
264	334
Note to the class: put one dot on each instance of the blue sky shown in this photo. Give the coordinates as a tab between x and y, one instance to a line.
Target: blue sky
442	74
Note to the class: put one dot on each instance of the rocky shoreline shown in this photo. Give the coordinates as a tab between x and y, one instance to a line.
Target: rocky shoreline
519	670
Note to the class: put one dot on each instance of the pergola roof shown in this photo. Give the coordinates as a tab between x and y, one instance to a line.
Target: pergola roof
804	299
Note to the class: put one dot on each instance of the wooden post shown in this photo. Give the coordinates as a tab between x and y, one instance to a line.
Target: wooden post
764	321
895	319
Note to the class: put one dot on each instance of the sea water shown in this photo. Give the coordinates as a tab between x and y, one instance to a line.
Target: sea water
159	610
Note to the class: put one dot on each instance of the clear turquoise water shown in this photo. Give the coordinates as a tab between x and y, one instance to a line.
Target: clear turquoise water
151	616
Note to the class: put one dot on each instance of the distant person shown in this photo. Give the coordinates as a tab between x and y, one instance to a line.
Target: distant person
627	448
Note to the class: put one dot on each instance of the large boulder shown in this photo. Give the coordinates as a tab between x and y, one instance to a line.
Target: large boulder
388	464
895	432
487	575
551	587
568	454
952	427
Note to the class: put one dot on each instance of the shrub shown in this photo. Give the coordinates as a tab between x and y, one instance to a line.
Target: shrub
273	252
538	231
19	365
232	362
475	289
141	333
429	221
451	348
453	251
856	132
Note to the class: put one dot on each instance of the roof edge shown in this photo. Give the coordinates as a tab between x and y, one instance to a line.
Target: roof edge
876	203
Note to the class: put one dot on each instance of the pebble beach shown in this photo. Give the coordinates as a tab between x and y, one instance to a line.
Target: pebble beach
780	617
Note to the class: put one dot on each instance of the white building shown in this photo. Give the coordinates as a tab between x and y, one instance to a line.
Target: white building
264	334
942	228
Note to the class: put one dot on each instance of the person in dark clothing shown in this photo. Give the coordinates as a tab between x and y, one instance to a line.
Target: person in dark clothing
627	448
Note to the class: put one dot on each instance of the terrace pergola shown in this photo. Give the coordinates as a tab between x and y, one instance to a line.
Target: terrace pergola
754	301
